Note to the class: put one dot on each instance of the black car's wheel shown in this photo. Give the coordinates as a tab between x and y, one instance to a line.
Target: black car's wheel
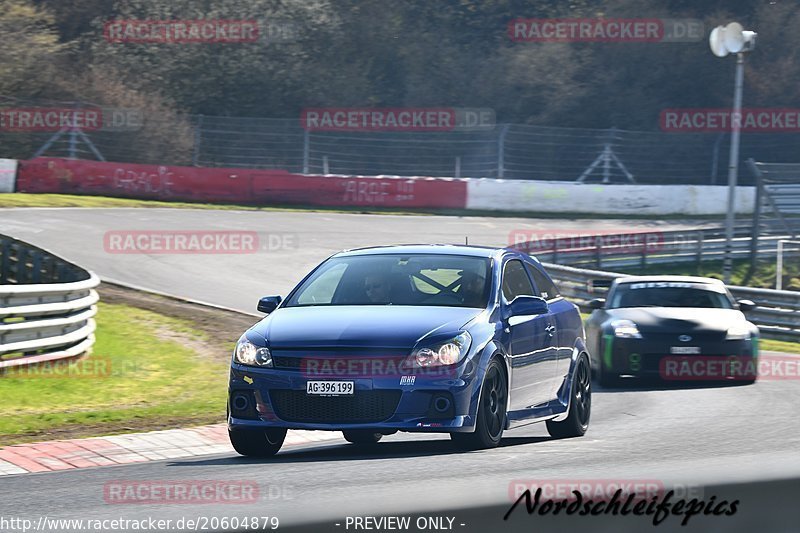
580	405
362	437
491	419
257	443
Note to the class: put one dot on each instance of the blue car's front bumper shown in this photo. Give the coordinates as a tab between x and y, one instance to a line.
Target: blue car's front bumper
278	399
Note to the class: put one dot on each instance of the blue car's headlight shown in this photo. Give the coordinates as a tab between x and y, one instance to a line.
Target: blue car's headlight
444	353
247	353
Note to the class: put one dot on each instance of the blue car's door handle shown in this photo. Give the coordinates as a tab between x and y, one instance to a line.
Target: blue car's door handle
550	330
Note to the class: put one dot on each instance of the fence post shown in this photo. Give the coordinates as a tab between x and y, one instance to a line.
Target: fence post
501	151
751	163
325	168
597	257
700	243
643	258
555	250
306	143
458	167
198	139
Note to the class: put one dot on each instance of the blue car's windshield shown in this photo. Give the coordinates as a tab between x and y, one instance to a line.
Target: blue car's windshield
394	279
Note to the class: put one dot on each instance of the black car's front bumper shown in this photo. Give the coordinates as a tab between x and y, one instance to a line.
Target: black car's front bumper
668	357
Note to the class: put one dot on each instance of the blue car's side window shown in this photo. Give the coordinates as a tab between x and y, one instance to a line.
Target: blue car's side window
546	288
516	281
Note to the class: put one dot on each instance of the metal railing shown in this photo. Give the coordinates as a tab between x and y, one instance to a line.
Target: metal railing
639	250
47	306
777	314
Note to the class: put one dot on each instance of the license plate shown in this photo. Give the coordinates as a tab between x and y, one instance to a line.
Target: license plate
684	350
330	388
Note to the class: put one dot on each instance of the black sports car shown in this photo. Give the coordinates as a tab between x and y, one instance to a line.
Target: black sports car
673	327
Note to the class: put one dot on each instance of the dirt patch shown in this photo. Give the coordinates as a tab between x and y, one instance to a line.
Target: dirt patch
222	328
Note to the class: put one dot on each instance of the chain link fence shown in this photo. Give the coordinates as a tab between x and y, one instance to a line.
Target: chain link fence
509	151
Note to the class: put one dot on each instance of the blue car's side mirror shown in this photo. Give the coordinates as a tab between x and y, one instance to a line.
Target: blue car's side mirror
528	305
268	304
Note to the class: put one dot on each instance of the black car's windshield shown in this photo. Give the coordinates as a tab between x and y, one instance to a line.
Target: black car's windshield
393	279
670	294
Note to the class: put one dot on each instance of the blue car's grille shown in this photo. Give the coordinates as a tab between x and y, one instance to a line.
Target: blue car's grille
343	363
287	363
362	407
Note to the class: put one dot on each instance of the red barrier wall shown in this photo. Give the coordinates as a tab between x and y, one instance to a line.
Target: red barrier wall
70	176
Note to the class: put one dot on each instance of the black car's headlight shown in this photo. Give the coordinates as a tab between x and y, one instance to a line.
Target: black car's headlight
444	353
247	353
625	329
738	333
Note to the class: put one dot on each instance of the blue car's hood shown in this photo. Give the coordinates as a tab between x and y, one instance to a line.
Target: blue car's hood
359	326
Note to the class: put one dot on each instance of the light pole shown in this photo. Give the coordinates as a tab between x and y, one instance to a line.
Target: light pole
732	39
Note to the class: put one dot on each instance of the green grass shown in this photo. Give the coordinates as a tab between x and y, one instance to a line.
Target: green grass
141	375
70	200
770	345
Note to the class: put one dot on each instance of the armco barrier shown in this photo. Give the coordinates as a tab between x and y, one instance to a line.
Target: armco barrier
46	306
72	176
640	249
777	314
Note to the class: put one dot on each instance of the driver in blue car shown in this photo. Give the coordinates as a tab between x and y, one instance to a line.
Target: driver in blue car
377	288
472	288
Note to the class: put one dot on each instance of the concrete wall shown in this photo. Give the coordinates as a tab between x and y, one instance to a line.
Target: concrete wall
8	174
560	197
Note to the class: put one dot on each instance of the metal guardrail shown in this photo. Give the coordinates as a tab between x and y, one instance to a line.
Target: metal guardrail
47	306
641	249
777	314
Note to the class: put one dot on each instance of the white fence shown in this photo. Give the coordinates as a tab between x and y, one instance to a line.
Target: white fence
47	306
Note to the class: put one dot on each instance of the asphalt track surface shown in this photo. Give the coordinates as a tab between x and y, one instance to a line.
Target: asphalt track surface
679	436
291	243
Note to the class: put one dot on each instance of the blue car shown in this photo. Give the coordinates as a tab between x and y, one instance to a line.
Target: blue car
464	340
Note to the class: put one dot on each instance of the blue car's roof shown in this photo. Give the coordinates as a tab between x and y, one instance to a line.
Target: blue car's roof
437	249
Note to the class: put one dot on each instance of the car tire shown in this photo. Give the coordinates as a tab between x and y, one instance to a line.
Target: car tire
362	437
491	419
257	443
580	404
